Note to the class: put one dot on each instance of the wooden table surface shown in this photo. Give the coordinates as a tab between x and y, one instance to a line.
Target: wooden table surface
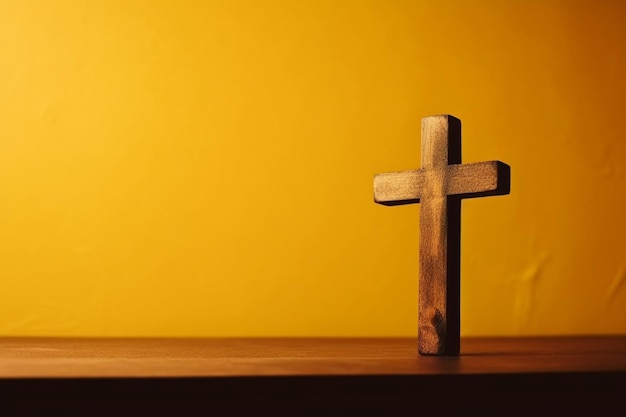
128	358
322	377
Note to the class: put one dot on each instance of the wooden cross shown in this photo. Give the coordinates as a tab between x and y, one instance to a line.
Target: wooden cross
439	186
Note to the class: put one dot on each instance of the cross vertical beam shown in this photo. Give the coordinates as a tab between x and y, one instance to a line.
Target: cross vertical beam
439	314
439	186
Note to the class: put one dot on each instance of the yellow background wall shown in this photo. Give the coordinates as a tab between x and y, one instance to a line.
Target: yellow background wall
205	168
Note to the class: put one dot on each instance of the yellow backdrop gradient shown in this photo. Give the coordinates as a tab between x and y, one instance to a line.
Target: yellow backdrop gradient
204	168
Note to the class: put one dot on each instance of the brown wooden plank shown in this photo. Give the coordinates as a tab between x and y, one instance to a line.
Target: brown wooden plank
133	358
479	179
438	329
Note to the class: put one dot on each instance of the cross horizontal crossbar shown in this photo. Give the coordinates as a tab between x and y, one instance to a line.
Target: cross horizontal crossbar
465	181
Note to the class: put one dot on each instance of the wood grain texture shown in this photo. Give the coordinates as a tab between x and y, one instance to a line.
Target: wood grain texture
154	357
467	181
561	376
439	186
